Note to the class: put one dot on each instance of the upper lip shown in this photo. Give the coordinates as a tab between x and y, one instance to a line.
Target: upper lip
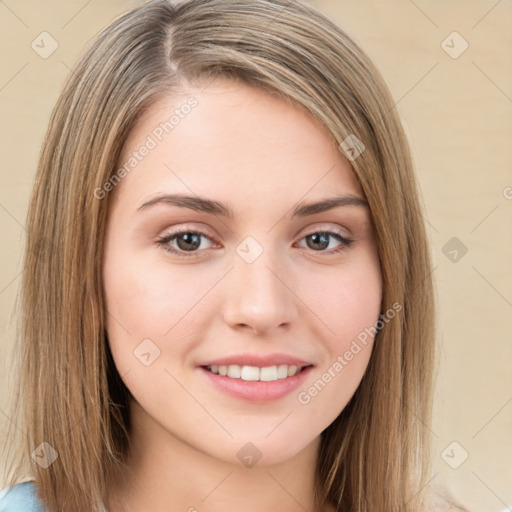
261	361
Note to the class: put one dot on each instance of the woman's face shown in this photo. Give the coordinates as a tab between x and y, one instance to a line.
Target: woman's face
216	262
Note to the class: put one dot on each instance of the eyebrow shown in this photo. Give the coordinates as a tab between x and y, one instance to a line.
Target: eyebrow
201	204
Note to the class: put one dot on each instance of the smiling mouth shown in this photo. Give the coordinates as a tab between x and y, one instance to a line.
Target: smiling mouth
256	373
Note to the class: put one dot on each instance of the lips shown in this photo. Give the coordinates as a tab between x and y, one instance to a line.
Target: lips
261	361
257	378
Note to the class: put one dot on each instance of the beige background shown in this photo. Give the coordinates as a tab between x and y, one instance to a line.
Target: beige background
458	114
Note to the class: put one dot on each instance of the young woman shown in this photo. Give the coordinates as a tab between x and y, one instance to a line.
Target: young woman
227	299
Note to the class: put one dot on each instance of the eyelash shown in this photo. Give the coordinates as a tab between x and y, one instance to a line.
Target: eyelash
164	242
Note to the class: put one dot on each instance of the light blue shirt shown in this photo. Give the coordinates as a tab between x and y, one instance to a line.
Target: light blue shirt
21	497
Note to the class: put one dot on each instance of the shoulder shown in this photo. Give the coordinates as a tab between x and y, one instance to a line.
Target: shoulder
21	497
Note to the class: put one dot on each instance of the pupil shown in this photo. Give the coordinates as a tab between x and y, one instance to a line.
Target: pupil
321	239
191	239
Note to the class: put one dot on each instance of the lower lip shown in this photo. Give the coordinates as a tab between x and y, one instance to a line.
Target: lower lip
257	391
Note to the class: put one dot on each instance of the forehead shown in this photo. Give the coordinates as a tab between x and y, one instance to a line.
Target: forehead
235	141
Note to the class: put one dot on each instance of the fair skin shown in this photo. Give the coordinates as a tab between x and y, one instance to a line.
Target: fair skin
261	157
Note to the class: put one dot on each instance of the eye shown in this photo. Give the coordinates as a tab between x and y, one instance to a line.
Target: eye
181	242
320	240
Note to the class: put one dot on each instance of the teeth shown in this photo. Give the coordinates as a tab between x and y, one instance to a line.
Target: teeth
269	373
234	371
253	373
291	370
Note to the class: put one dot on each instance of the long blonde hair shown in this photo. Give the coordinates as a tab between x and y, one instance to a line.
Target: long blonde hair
374	456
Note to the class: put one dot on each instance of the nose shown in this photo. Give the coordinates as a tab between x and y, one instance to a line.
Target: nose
259	296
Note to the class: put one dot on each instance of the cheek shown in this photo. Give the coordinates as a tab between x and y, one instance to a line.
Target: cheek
348	305
347	301
145	309
135	301
145	301
140	298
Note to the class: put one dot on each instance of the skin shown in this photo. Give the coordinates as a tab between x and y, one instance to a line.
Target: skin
260	156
